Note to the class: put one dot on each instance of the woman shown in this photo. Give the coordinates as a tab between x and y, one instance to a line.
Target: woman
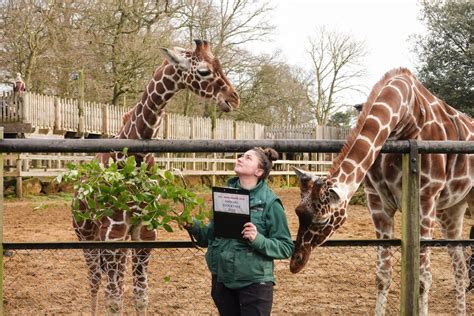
242	270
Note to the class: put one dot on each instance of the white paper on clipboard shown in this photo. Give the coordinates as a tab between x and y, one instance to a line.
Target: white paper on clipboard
231	202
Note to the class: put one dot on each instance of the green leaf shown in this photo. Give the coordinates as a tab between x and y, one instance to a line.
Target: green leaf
149	194
168	228
169	175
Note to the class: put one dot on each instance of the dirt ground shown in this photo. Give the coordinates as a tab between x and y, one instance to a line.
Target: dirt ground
336	281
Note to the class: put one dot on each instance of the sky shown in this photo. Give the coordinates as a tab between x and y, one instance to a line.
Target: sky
384	26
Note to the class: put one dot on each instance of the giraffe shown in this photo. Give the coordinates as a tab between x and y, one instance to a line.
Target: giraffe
399	107
196	70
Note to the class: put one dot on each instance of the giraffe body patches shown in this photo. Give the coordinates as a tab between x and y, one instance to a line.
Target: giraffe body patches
398	108
177	72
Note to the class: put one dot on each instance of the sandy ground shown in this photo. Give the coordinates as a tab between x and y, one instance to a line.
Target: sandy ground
336	281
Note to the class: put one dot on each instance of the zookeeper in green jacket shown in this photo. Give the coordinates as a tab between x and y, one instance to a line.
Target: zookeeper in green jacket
242	270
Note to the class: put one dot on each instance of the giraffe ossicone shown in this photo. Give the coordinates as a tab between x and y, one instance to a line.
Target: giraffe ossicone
199	71
399	107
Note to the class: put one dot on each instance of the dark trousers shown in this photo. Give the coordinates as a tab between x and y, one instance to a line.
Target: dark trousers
255	299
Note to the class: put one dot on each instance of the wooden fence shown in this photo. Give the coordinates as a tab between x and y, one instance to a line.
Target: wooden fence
306	131
177	126
56	116
52	115
42	165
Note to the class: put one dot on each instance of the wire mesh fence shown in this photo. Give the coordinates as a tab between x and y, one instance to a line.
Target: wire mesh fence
337	280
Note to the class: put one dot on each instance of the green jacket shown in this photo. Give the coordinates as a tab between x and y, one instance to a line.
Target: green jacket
238	263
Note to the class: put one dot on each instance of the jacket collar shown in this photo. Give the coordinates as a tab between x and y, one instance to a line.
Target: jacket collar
235	183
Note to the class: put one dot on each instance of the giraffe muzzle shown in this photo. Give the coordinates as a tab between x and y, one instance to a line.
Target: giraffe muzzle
299	259
225	106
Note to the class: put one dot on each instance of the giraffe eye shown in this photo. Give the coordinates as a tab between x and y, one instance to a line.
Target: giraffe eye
204	72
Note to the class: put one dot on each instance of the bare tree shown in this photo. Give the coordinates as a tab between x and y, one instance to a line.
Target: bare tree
275	96
228	25
336	64
124	37
25	28
115	44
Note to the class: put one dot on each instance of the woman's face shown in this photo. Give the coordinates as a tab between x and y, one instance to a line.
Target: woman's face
248	165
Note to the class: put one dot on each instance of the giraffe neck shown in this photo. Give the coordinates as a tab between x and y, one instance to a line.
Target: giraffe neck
146	117
389	112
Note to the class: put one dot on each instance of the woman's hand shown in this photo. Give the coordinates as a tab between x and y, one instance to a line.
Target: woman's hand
249	232
187	225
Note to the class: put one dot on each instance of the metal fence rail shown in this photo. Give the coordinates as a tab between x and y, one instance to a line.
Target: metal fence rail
221	146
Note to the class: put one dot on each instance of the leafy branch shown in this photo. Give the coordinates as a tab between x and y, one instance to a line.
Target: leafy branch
148	193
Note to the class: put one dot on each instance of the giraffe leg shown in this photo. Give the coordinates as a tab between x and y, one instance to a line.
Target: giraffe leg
140	260
113	265
470	259
426	279
427	224
470	263
451	220
382	218
85	230
383	278
92	259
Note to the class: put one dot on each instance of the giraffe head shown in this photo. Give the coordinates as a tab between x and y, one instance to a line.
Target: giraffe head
321	212
201	72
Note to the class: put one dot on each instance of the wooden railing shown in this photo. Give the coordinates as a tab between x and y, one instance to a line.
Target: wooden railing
45	165
62	115
306	131
10	108
53	115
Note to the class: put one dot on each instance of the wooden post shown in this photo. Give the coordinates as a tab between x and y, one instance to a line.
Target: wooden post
19	180
57	115
1	225
81	127
235	135
192	136
24	104
213	136
410	275
105	121
166	133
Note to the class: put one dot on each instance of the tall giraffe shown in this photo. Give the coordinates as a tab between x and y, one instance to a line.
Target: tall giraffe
399	107
198	71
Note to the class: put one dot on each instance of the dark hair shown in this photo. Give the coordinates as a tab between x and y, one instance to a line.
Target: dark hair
265	157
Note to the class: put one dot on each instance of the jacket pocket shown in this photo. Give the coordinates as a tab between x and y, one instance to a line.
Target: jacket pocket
250	266
225	266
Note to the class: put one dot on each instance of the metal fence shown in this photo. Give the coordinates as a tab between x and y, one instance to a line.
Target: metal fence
339	279
357	264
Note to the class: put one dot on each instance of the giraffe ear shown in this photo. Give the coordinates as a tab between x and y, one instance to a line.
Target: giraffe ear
175	58
302	174
179	50
304	178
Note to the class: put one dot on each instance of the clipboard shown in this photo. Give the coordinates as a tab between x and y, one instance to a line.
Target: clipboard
231	209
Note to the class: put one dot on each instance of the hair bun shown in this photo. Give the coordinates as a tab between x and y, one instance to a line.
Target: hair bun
271	153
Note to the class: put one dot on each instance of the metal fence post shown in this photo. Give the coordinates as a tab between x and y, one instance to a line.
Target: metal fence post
410	275
1	225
